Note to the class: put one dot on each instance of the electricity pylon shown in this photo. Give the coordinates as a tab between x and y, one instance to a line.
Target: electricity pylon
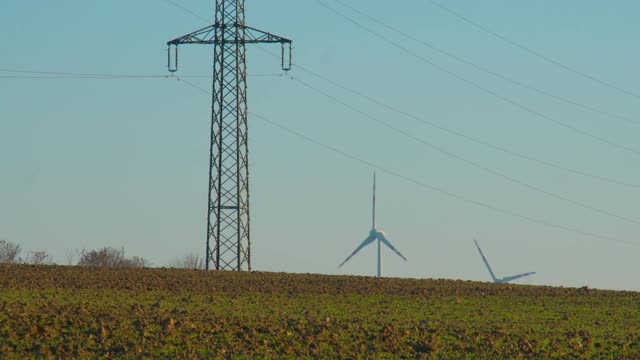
228	241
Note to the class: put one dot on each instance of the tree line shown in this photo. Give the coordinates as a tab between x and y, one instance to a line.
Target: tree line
10	253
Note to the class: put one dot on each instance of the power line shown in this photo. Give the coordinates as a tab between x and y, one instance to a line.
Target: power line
422	184
461	198
491	72
121	77
533	52
83	77
470	162
461	134
468	137
199	88
72	75
437	189
189	11
482	88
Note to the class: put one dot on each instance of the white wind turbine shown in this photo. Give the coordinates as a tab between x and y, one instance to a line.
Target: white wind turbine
374	235
495	279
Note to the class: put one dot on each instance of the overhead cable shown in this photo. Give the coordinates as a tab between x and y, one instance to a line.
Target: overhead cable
189	11
425	185
491	72
457	133
445	192
441	190
466	136
72	75
470	162
484	89
535	53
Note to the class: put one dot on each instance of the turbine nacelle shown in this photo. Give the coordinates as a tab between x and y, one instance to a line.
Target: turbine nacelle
376	232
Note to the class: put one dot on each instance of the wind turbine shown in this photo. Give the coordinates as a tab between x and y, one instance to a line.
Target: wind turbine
374	235
499	280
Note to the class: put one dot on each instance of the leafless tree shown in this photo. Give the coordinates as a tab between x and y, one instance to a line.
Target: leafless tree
110	257
9	252
40	257
189	261
71	255
137	262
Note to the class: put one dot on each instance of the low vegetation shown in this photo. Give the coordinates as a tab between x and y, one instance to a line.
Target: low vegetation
110	258
104	257
10	254
189	261
79	312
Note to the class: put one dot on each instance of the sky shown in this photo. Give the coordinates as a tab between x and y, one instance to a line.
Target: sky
122	162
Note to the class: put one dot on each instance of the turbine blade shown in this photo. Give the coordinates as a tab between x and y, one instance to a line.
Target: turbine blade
366	242
386	242
486	263
509	278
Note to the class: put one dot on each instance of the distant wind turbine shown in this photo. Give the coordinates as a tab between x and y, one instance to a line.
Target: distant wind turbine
495	279
374	235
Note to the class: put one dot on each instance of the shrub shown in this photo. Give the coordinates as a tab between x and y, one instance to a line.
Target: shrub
9	252
110	257
189	261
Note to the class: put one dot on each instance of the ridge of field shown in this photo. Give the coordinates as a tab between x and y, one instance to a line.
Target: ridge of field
79	312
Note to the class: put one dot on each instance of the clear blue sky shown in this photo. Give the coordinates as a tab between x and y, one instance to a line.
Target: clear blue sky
87	163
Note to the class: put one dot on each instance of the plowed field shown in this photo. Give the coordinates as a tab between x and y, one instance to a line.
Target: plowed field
63	312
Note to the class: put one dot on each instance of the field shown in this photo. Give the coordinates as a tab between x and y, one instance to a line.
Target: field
76	312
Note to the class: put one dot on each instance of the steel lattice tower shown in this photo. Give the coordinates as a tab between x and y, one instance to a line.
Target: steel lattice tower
228	240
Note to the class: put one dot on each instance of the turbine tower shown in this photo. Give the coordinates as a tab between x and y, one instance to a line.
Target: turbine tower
375	234
228	241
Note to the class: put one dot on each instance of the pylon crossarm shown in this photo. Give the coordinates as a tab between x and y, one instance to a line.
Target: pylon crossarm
255	36
207	34
201	36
